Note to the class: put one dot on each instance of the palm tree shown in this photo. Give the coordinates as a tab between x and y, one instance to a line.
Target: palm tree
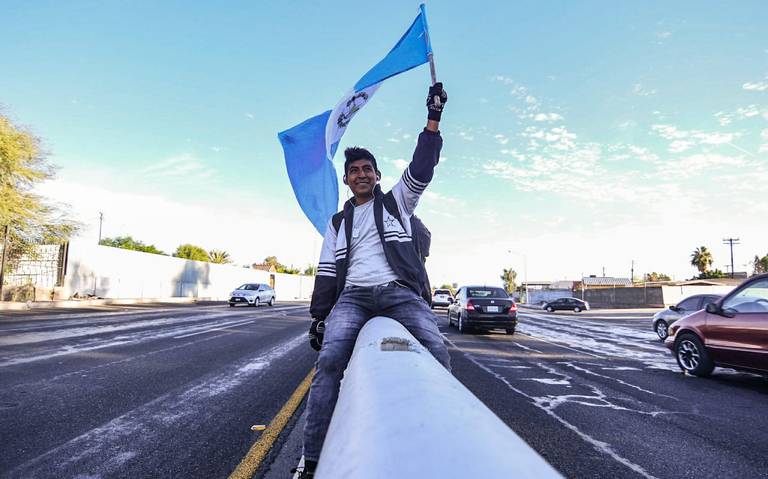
219	256
701	258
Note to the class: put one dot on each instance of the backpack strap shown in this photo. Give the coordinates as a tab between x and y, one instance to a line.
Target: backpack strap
336	220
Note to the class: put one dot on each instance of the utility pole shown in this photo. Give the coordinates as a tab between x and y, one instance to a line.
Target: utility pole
731	242
632	273
603	271
2	261
101	220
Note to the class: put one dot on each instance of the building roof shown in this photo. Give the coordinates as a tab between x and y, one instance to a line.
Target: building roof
264	267
605	281
562	284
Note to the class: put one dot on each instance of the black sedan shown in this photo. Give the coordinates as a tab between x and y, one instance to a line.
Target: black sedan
566	304
482	307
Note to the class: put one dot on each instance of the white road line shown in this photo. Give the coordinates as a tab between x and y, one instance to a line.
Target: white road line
561	346
136	432
218	328
600	446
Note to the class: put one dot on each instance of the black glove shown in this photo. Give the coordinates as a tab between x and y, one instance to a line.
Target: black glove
316	330
436	100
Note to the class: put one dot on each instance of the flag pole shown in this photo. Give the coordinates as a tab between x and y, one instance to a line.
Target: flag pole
430	55
432	67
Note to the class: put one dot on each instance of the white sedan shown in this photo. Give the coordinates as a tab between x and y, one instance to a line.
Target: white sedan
252	294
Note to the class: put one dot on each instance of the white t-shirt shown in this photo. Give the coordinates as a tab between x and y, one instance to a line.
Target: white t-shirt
367	265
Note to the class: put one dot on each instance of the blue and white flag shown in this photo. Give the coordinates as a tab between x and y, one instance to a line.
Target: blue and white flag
309	147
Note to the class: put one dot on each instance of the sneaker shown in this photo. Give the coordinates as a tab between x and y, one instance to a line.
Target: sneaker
306	472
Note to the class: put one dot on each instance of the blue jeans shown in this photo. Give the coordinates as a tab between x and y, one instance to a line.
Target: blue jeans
354	308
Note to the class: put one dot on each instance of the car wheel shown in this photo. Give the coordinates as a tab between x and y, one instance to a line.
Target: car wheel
511	331
550	309
662	329
231	305
271	301
461	327
577	309
256	302
692	357
448	315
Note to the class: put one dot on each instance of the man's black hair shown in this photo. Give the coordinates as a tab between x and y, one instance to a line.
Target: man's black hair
356	153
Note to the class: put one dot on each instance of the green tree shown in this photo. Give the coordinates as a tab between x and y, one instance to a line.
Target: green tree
190	251
30	220
447	286
509	277
280	267
127	242
272	260
760	265
310	270
701	258
712	274
654	276
219	257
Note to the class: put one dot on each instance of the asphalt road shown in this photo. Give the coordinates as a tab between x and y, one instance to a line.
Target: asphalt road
144	392
172	392
599	396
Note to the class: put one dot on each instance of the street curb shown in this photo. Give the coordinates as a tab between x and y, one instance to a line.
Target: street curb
20	306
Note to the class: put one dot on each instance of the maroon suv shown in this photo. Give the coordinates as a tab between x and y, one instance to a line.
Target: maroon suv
731	332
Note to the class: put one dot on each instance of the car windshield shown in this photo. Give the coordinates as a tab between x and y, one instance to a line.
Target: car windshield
249	287
752	299
487	293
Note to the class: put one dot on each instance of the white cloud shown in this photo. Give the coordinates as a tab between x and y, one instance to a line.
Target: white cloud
693	165
679	146
400	164
160	220
179	166
250	115
715	138
393	140
501	139
669	132
755	86
638	89
547	117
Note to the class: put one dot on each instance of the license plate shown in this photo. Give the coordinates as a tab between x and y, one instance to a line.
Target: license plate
493	309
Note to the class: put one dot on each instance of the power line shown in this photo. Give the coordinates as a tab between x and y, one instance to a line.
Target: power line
731	242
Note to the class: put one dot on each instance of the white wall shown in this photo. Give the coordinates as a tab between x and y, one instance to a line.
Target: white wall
674	294
118	273
538	296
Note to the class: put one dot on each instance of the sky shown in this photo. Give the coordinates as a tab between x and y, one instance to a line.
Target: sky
579	137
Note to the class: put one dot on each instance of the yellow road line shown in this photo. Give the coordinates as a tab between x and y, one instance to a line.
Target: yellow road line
252	460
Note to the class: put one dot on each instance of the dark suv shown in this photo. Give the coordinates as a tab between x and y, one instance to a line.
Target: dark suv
483	307
731	332
566	304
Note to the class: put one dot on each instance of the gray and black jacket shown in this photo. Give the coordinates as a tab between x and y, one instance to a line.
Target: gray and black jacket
392	214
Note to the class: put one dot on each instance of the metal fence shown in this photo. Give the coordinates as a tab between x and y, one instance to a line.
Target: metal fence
35	273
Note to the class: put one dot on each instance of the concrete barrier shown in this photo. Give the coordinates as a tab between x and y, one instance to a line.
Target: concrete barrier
400	414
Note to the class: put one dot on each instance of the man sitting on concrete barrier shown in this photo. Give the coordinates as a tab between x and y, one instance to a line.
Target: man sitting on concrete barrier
369	267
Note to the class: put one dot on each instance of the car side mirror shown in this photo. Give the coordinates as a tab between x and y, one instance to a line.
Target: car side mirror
713	308
674	308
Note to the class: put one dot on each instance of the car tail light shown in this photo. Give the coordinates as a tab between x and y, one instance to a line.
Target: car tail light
470	306
513	308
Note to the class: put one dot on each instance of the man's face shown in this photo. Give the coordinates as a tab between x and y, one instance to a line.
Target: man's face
361	178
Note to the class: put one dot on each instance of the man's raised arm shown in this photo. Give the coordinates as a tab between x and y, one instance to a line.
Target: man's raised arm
419	172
